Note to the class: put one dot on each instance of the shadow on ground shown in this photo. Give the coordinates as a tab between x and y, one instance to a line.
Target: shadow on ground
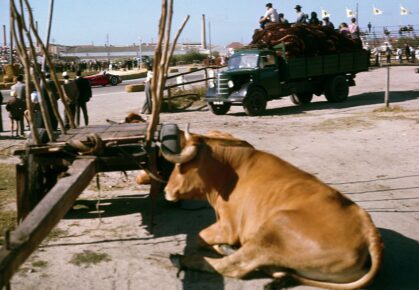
170	219
353	101
400	265
401	254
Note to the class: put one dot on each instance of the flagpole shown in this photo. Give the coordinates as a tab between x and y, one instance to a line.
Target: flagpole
357	14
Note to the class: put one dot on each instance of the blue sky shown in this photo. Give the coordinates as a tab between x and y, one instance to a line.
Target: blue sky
128	21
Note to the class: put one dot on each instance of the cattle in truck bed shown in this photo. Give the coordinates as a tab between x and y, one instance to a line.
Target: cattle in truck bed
304	40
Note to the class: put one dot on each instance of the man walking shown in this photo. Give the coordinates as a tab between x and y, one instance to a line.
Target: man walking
271	16
85	93
19	90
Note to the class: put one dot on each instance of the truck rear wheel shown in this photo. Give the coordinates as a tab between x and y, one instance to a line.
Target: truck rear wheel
219	109
301	98
255	102
337	89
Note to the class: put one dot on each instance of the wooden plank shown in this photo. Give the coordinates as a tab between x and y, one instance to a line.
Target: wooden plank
21	202
42	219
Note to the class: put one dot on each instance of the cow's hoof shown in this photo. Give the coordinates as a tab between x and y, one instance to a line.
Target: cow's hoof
224	249
175	259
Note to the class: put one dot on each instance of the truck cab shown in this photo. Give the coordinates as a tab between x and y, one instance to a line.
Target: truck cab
255	76
254	72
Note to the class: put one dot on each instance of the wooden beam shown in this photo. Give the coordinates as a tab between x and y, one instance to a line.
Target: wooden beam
42	219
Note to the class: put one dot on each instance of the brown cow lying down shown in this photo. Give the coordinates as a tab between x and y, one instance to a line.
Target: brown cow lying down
284	221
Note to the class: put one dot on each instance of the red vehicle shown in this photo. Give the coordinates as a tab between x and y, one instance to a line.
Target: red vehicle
104	79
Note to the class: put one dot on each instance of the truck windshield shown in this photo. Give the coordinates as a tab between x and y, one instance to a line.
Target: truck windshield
240	61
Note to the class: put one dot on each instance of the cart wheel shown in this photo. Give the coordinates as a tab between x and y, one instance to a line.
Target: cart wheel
301	98
219	109
337	89
255	102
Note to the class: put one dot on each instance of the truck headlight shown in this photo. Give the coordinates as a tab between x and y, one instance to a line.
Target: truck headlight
230	84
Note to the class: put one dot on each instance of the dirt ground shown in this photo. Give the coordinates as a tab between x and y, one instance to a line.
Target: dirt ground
369	155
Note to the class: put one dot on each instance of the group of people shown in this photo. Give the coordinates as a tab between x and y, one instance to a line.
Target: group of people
407	52
77	93
271	16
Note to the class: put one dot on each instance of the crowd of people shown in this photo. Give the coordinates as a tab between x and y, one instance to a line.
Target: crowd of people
388	54
77	93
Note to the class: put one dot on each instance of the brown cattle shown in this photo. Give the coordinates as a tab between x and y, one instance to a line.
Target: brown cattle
282	221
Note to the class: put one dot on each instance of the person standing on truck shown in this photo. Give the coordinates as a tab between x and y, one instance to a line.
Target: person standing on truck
313	19
282	19
301	17
344	30
328	23
270	17
354	28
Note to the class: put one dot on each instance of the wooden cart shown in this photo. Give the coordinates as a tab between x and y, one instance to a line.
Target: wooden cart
52	176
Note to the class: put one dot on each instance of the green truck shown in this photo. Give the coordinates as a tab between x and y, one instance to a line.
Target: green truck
255	76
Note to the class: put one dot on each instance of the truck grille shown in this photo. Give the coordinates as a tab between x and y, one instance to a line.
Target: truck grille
222	87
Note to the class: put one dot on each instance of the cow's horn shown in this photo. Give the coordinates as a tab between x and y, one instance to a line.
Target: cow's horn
187	133
187	154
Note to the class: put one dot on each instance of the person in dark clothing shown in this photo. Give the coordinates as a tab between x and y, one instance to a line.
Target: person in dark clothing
328	23
54	95
85	93
72	94
313	19
282	19
147	105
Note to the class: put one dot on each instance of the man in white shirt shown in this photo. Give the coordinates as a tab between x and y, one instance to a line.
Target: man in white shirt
271	16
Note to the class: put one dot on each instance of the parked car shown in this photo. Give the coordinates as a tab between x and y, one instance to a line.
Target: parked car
104	79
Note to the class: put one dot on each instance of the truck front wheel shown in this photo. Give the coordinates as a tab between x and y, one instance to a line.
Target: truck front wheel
336	89
219	109
301	98
255	102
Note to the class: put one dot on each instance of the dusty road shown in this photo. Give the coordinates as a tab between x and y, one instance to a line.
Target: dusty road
370	156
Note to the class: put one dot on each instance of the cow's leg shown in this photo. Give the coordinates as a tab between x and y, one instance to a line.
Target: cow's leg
237	265
216	237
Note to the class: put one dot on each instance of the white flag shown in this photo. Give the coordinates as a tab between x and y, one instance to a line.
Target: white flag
349	13
325	13
403	11
377	11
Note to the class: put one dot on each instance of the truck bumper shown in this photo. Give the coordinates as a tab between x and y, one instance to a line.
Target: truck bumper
235	97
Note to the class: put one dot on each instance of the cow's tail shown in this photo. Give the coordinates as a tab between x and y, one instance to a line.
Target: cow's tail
375	249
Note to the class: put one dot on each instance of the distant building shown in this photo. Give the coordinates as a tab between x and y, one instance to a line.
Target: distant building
92	52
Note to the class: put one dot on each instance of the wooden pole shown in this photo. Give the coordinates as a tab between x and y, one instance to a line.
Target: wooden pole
54	77
1	117
21	49
387	93
11	33
51	10
42	219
